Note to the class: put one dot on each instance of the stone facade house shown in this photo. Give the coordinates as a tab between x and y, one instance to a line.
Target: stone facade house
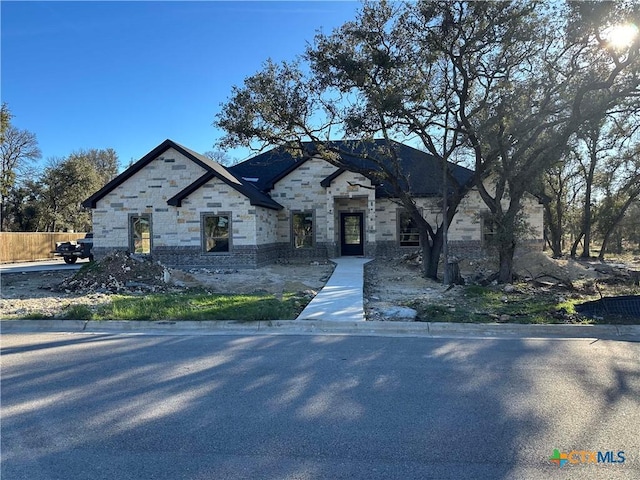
187	210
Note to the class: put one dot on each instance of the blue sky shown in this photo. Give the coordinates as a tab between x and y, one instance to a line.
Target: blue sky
128	75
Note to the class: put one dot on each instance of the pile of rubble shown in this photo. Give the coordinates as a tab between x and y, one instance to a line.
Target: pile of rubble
118	273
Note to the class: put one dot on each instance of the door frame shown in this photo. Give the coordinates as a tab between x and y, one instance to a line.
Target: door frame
352	250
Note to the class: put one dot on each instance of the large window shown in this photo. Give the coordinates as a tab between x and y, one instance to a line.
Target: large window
140	234
216	230
408	232
302	229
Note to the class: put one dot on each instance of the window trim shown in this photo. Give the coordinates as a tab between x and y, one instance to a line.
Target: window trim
131	240
203	239
313	228
399	213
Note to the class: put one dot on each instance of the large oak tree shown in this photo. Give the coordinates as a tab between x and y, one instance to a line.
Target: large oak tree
505	83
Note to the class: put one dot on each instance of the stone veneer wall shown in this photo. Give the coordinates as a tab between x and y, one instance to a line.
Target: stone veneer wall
250	225
320	251
146	192
301	191
352	192
177	231
466	225
465	232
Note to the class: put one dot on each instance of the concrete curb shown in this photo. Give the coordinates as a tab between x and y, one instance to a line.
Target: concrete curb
309	327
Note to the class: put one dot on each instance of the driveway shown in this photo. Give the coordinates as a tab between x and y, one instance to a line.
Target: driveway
42	266
108	406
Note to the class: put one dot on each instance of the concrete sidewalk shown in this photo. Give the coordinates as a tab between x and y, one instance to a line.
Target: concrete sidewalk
341	299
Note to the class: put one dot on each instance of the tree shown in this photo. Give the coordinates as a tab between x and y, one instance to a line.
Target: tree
507	82
18	147
547	87
24	207
103	161
221	157
621	183
630	226
560	189
5	120
361	83
65	184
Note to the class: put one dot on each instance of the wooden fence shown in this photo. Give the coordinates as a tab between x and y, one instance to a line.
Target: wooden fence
26	247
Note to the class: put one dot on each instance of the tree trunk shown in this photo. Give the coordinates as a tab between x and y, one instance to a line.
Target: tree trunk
553	232
587	219
453	274
603	248
586	227
2	217
619	246
431	250
556	246
574	247
506	252
612	226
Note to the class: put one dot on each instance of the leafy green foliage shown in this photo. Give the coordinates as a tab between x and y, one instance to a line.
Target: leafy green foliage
51	201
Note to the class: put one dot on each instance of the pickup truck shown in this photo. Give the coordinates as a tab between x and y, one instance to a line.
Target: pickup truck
72	251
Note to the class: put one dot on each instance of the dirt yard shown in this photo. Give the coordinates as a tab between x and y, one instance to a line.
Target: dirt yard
389	283
541	280
49	293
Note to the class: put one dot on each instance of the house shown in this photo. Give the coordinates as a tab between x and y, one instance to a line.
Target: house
188	210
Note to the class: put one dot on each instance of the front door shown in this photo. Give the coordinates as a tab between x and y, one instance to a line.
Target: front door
351	234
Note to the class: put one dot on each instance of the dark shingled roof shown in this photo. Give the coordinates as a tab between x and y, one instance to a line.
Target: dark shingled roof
255	177
423	172
212	168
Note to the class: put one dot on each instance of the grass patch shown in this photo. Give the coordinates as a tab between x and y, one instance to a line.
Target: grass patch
478	304
36	316
77	312
201	306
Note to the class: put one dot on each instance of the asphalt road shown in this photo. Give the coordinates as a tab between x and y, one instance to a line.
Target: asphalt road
42	266
106	406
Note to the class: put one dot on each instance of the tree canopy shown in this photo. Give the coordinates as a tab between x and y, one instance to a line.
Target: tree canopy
504	84
18	148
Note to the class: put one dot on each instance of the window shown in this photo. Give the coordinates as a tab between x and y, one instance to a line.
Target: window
140	234
489	229
215	230
408	232
302	227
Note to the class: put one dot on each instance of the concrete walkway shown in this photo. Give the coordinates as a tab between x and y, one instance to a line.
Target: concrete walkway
341	298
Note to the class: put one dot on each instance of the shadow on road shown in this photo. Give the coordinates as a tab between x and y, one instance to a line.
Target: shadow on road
275	407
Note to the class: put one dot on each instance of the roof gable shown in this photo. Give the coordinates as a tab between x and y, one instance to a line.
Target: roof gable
212	168
255	196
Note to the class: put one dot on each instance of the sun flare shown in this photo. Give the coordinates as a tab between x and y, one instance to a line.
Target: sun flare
621	36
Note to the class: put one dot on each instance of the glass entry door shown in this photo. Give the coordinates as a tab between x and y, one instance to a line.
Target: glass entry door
351	234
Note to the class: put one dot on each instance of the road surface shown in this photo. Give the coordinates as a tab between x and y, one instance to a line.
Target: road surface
105	406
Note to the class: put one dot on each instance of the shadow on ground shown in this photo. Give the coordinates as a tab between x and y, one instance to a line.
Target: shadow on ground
278	407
